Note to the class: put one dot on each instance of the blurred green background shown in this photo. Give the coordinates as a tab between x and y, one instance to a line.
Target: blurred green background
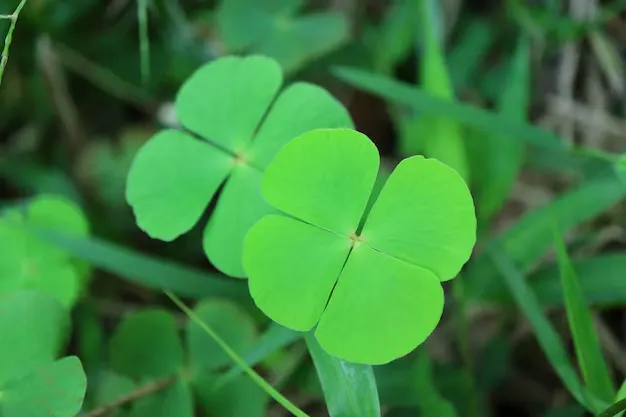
525	98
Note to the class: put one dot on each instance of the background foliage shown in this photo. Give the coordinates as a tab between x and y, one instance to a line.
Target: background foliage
524	98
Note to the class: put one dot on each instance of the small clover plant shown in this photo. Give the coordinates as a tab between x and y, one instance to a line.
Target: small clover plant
369	283
190	365
234	122
33	328
27	262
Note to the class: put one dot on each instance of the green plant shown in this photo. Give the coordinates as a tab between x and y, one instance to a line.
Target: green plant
13	17
275	29
382	270
31	263
174	176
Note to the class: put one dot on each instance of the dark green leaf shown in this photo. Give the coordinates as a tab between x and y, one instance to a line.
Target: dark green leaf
588	349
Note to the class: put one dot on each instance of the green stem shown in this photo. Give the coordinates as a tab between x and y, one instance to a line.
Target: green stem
615	409
258	379
458	290
7	42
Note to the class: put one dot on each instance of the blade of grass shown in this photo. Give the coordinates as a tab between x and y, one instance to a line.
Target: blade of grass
588	350
445	141
546	335
13	17
148	271
531	236
466	56
499	159
144	41
488	121
349	388
601	279
262	383
273	339
430	402
614	410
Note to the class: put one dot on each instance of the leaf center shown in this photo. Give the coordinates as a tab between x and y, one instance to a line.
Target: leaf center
240	158
355	239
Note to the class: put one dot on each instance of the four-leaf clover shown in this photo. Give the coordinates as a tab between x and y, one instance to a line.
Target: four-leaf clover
233	125
370	283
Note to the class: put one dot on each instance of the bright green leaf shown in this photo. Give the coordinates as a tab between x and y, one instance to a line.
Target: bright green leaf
32	330
233	324
588	349
300	108
171	182
412	194
333	198
56	389
349	389
359	313
293	264
293	268
224	101
146	346
239	207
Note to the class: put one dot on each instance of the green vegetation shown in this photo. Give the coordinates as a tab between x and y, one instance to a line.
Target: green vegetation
343	208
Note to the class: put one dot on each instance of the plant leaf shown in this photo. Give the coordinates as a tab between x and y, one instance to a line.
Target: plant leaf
230	322
427	104
171	182
349	388
32	330
29	262
239	397
224	101
295	43
359	312
301	107
262	383
501	159
146	346
431	403
424	215
588	349
56	389
174	401
240	205
149	271
274	338
334	198
531	236
293	268
546	335
445	141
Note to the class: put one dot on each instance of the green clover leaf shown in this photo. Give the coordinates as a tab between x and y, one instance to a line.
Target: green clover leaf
31	263
371	285
231	105
56	389
276	29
